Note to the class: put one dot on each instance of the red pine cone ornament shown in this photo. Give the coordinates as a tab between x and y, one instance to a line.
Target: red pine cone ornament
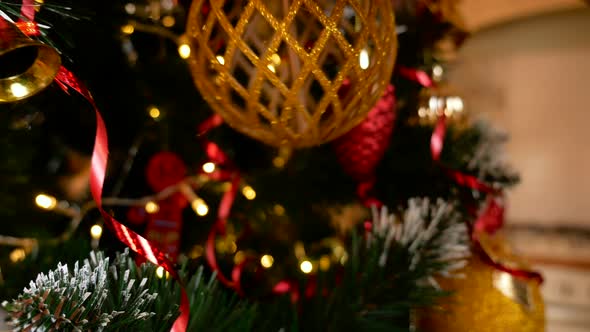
362	148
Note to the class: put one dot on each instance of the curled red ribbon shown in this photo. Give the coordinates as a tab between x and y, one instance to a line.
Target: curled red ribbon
134	241
492	218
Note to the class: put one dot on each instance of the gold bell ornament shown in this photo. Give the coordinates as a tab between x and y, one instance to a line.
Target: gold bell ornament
485	299
292	73
26	66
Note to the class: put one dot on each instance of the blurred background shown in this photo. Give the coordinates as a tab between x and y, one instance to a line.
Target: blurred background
526	67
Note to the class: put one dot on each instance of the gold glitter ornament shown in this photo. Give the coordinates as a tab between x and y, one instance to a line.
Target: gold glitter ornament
486	300
292	73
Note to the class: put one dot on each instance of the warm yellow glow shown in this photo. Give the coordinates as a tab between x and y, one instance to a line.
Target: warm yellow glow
17	255
249	192
364	59
299	250
232	247
127	29
168	21
209	167
196	252
279	209
276	59
130	8
266	261
279	162
437	71
239	257
152	207
344	259
184	50
45	201
200	207
18	90
154	112
96	231
306	266
271	68
160	272
220	59
422	112
324	263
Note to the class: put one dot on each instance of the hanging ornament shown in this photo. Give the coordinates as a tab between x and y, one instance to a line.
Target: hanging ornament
438	100
26	66
164	217
273	69
487	299
361	149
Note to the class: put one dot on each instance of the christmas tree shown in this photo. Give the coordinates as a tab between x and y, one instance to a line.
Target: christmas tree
249	165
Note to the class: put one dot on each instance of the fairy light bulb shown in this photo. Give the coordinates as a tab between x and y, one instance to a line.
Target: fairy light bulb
17	255
184	50
200	207
160	272
209	167
249	192
306	266
46	202
127	29
154	112
220	59
364	59
96	231
18	90
267	261
152	207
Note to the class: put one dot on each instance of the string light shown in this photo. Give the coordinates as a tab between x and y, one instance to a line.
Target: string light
278	209
154	112
266	261
209	167
96	231
152	207
324	263
168	21
364	59
45	201
130	8
127	29
239	257
220	59
184	50
18	255
200	207
306	267
279	162
18	90
276	59
271	68
249	192
160	272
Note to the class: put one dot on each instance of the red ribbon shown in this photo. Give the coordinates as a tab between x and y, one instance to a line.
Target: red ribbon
492	218
134	241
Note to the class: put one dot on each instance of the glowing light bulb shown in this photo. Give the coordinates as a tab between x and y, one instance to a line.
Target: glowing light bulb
168	21
279	162
45	201
437	71
160	272
324	263
209	167
220	59
184	50
130	8
271	68
239	257
154	112
18	90
279	209
127	29
364	59
200	207
276	59
249	192
306	267
152	207
266	261
18	255
96	232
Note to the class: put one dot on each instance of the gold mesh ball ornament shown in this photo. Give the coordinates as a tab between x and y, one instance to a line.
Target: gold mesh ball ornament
292	73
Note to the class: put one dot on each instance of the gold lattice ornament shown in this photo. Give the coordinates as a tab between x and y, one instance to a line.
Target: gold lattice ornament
292	73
